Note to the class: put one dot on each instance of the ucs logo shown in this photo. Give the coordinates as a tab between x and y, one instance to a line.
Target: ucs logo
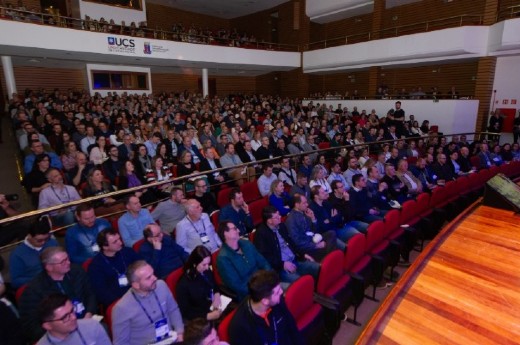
125	42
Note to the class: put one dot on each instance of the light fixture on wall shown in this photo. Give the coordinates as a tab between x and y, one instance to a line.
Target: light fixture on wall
395	18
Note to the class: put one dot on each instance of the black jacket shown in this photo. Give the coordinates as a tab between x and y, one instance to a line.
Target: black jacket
267	244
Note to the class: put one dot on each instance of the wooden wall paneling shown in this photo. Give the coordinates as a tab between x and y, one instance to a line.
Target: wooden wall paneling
356	27
28	77
164	17
268	84
461	75
490	12
294	83
28	4
231	84
428	10
316	84
374	79
256	24
168	82
484	90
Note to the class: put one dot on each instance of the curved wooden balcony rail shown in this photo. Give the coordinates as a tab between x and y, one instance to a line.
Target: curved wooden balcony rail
52	19
400	30
181	181
508	12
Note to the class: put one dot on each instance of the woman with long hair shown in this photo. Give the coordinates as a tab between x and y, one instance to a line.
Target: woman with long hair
98	153
97	185
197	292
279	198
318	179
128	179
142	162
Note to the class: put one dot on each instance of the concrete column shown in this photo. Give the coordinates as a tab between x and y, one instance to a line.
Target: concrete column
10	82
205	87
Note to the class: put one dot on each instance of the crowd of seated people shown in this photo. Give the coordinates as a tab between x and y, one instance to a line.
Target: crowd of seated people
317	202
384	92
179	32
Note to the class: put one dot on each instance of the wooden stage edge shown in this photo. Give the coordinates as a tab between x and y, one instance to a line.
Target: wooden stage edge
423	321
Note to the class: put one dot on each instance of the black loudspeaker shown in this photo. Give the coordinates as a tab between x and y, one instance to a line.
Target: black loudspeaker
501	192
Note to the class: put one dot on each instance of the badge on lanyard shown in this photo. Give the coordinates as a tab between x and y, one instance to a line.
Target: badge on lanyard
204	238
79	308
95	248
162	330
122	280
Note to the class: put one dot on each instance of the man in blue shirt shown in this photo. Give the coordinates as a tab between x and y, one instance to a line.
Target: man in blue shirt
132	223
80	239
161	252
24	262
237	212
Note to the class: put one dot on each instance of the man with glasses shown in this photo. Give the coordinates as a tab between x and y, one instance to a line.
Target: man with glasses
161	252
204	197
58	318
24	262
58	276
238	259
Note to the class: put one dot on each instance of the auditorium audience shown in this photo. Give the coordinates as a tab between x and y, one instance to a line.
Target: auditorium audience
237	260
197	293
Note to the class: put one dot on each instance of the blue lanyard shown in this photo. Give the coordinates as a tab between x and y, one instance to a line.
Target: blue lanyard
76	330
145	311
114	267
194	227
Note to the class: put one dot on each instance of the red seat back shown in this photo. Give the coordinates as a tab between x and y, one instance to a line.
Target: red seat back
223	197
172	279
408	212
392	221
214	218
355	253
375	236
86	264
223	328
330	273
216	275
137	245
299	299
19	293
250	191
256	208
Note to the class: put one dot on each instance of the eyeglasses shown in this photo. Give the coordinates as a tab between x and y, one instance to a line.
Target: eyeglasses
66	317
60	262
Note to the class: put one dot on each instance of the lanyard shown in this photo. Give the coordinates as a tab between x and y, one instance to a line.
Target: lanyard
76	330
66	190
145	311
92	241
114	267
194	227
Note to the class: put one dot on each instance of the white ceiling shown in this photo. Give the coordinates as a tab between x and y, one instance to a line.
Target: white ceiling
226	9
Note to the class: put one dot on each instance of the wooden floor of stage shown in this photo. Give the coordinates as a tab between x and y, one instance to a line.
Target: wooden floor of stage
465	288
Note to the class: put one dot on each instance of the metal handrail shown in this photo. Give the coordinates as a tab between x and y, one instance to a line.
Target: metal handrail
183	179
508	13
143	32
399	30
